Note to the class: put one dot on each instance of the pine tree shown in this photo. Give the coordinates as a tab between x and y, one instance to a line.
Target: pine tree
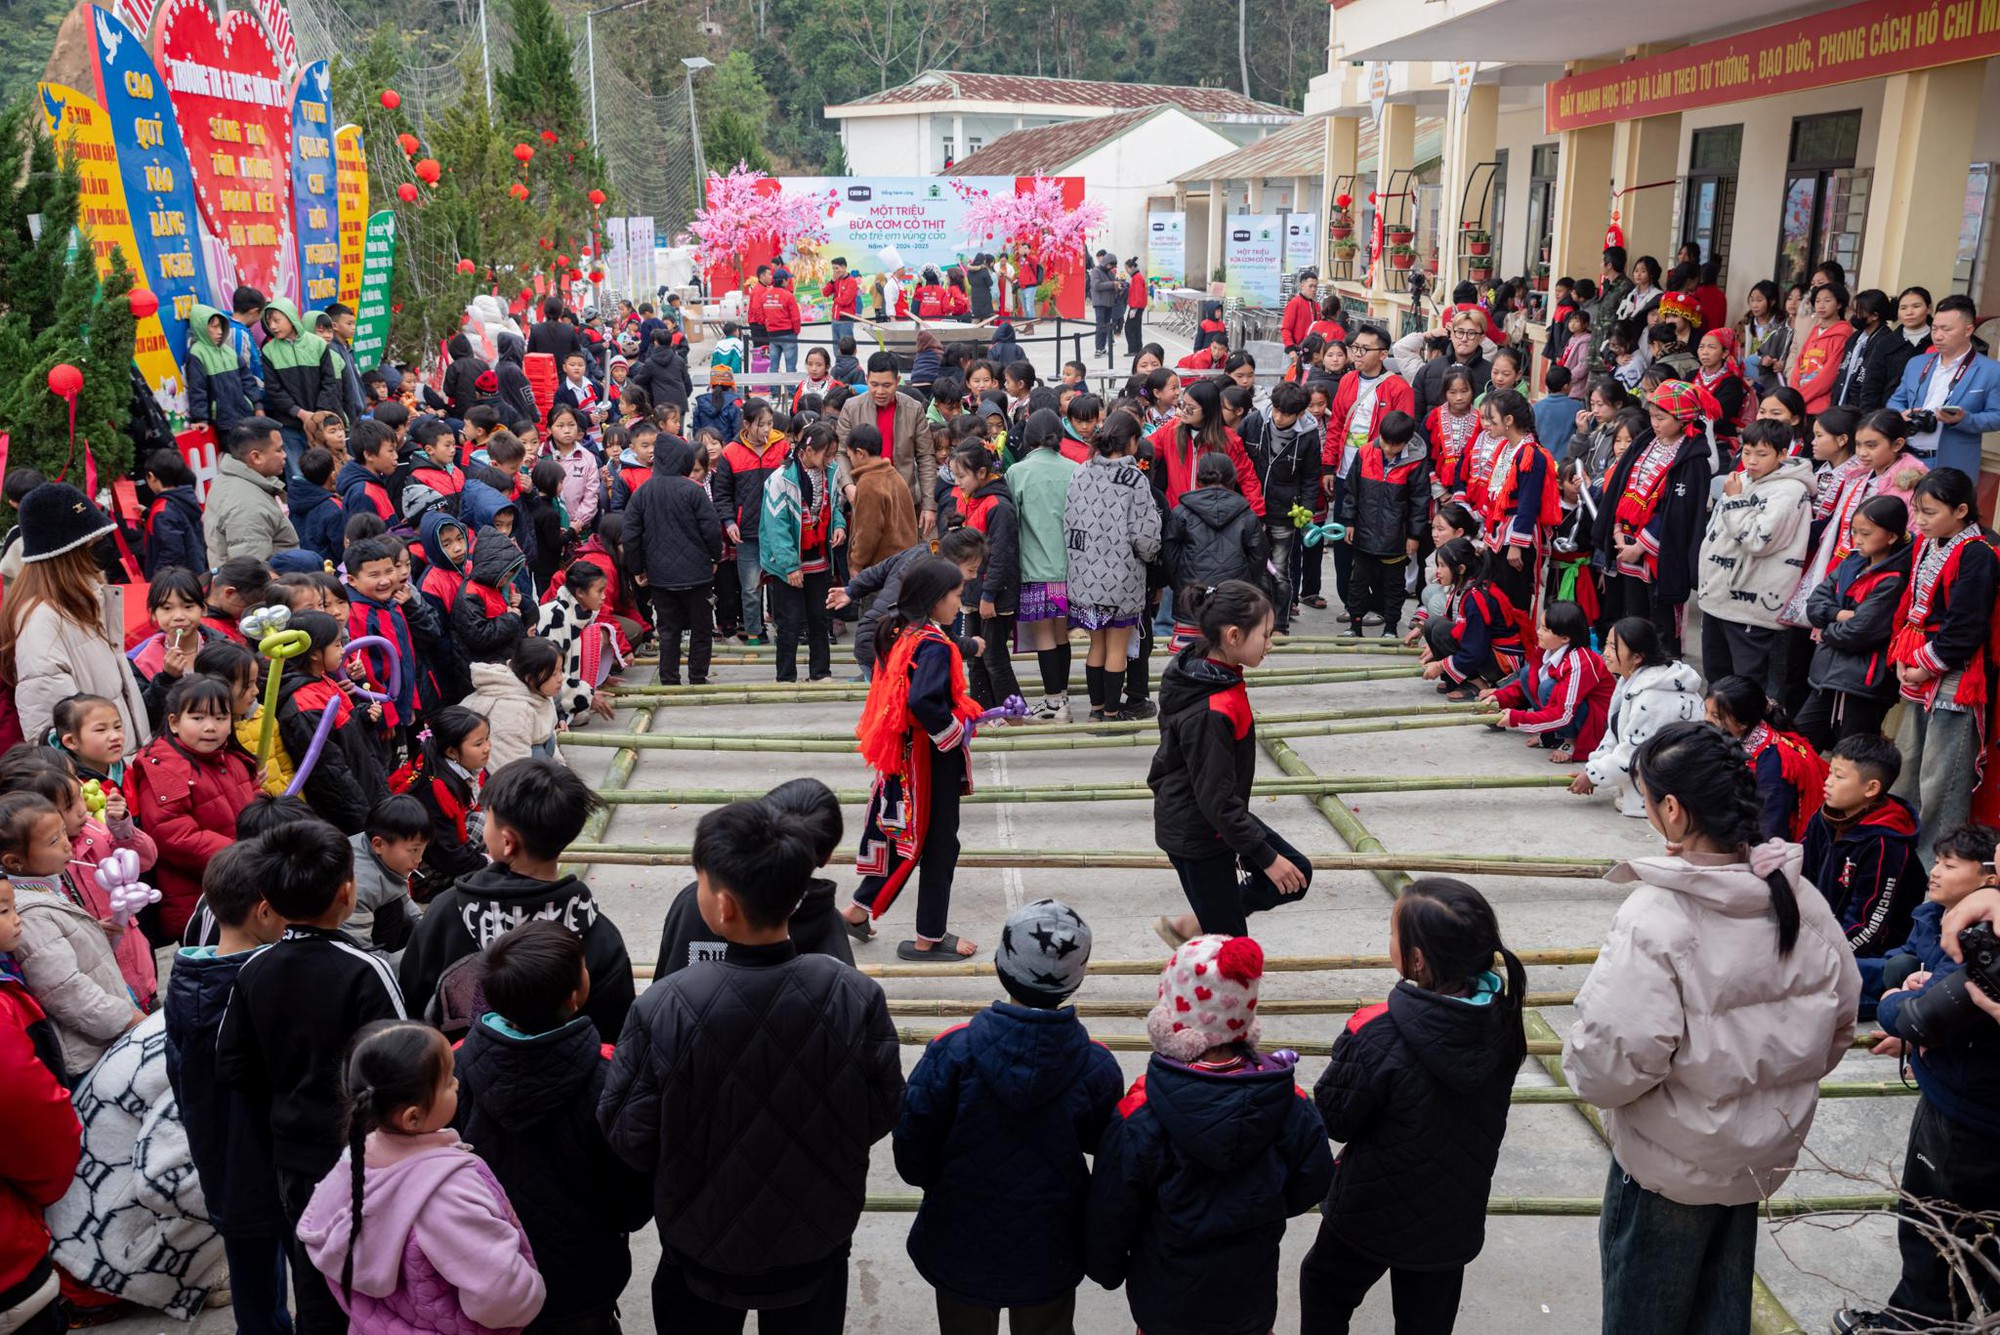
58	311
539	92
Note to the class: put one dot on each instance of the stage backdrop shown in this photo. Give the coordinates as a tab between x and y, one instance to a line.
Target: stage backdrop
919	220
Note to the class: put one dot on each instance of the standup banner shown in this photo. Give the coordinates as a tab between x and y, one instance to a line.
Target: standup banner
350	170
1166	247
617	261
1301	240
378	261
1253	257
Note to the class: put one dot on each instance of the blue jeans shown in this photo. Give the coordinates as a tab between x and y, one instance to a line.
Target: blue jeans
784	352
750	573
841	329
296	446
1545	690
257	1285
1672	1269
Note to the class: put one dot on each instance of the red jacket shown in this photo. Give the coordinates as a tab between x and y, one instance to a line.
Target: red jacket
1580	693
931	302
1180	467
1205	360
189	804
1300	312
1135	293
39	1128
845	294
779	310
958	301
1392	394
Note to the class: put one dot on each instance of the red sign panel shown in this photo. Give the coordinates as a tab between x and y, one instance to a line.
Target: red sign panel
1865	41
235	112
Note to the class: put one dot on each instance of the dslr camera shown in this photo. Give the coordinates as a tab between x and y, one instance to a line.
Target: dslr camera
1922	421
1945	1012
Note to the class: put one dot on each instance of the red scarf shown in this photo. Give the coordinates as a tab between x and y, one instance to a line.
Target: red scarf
886	728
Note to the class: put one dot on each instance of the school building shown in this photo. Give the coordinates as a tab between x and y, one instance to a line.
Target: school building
1868	133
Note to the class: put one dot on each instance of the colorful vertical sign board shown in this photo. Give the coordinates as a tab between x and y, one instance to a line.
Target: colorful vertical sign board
235	107
82	132
350	172
378	262
1253	256
159	184
1166	247
315	189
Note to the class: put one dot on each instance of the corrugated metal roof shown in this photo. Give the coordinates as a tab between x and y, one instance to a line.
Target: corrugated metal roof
1300	150
1049	148
957	86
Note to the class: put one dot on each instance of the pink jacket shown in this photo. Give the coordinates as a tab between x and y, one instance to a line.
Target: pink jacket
440	1249
94	843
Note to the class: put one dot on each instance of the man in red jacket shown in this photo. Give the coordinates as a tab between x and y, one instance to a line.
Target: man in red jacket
1300	311
1363	400
843	292
780	310
1135	305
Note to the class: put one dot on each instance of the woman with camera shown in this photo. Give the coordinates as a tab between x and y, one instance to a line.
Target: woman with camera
1725	992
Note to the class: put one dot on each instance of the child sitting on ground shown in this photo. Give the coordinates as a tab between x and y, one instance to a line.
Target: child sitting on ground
446	1250
997	1119
530	1073
346	783
1194	1237
174	605
1861	846
686	939
534	810
486	616
1563	699
186	787
1653	691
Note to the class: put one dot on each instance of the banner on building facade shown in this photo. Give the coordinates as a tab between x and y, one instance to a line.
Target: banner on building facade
1866	41
1253	258
1166	247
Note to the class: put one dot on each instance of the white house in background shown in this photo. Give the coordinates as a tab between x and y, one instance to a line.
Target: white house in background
1126	160
942	117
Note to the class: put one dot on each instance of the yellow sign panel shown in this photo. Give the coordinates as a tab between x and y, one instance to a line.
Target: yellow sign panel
82	134
350	174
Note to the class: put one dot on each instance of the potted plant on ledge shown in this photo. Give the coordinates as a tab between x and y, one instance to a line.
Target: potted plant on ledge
1344	248
1478	242
1398	234
1342	224
1542	277
1402	255
1480	268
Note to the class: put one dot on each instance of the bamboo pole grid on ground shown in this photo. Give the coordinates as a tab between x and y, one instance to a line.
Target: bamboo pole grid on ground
1768	1314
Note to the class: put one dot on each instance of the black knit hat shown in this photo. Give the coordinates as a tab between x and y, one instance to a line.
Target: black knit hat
57	518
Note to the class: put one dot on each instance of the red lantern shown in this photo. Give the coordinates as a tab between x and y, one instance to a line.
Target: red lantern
545	243
142	301
407	192
517	190
551	137
428	171
466	266
597	275
586	252
409	143
576	275
391	98
596	198
562	261
523	153
65	381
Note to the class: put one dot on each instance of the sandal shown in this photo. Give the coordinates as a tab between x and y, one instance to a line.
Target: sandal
946	946
1464	694
1315	601
863	931
1163	927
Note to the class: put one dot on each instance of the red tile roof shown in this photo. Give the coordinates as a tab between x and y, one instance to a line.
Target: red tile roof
1049	148
953	86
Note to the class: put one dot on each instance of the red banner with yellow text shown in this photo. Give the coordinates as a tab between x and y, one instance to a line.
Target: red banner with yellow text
1866	41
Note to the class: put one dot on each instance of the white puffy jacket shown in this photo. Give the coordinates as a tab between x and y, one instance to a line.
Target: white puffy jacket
1704	1045
1644	702
1754	552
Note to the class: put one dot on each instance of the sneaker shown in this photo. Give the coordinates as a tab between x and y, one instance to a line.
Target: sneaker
1141	709
1371	619
755	641
1052	709
1856	1321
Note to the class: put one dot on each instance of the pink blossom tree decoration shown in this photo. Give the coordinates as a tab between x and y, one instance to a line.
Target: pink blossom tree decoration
742	210
1037	219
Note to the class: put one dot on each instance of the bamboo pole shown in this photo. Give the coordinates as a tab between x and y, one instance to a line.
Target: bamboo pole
1297	644
837	691
1457	864
1550	956
1127	792
1547	1207
616	776
1334	810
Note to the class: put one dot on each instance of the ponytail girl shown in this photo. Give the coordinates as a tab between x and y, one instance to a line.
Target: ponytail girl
1791	776
438	1247
1477	641
447	776
1723	994
1853	612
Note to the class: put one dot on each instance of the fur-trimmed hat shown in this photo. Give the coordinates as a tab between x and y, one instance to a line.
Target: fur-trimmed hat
57	518
1208	997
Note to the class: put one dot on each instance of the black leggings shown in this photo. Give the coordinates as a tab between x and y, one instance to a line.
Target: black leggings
1335	1278
992	675
937	857
1223	891
802	613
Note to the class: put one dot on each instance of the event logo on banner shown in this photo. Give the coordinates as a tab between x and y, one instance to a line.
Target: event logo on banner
152	161
1463	72
1378	89
1253	248
350	170
315	192
235	109
1166	247
82	132
371	317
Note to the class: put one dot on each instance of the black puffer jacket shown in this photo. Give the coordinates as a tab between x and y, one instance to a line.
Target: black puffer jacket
999	578
1201	774
1213	535
483	637
1853	655
1387	500
484	905
816	929
671	529
528	1107
1191	1190
752	1088
515	400
663	376
1417	1093
228	1133
461	376
1287	460
347	782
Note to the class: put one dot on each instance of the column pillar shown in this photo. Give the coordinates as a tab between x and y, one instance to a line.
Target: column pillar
1922	145
925	132
1583	201
959	151
1645	151
1256	184
1218	222
1396	151
1343	142
1468	141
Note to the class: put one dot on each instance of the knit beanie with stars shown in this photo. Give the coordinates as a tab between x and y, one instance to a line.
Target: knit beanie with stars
1042	953
1208	997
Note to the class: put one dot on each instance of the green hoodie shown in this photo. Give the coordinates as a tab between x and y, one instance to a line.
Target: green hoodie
282	354
215	358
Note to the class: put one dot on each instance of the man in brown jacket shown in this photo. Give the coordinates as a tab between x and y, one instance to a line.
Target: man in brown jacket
884	518
900	419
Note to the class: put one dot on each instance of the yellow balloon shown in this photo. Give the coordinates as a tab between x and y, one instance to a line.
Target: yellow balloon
277	646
